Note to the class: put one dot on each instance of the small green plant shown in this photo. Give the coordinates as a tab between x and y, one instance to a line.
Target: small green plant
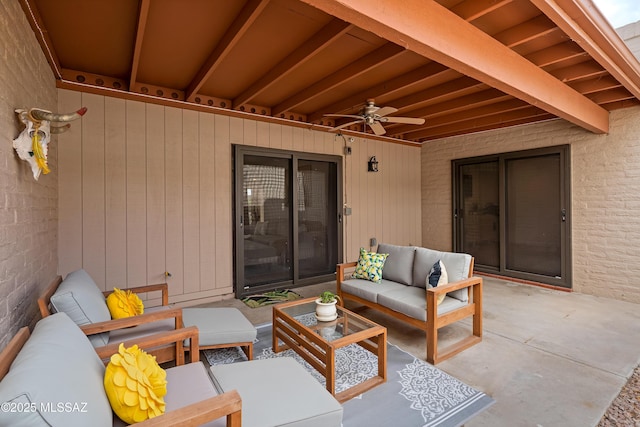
328	297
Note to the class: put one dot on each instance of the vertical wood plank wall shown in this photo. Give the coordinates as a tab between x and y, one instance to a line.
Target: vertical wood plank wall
146	189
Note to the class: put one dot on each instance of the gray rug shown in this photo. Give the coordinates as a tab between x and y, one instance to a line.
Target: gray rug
415	394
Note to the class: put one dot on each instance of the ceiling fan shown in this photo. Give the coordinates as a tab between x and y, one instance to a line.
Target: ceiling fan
374	116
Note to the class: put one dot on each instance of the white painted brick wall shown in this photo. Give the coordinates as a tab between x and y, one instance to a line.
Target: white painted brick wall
28	209
605	180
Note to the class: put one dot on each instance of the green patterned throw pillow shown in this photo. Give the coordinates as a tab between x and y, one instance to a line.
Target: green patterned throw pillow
369	266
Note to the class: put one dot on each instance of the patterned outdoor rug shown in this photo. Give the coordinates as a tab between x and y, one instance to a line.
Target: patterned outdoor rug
269	298
415	394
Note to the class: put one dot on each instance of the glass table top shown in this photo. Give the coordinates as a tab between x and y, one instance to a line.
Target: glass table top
347	322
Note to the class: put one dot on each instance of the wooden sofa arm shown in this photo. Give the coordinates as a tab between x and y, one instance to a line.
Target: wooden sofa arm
163	287
454	286
112	325
149	342
228	404
340	269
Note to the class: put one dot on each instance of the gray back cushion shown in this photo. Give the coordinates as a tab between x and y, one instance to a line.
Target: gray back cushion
80	298
56	365
457	266
399	264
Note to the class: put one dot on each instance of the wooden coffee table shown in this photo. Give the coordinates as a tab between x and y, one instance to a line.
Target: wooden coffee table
295	327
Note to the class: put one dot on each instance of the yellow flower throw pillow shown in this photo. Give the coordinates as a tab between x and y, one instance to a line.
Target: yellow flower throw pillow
369	266
124	304
135	385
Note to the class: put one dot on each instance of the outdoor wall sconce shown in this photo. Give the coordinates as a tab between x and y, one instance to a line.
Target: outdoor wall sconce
373	164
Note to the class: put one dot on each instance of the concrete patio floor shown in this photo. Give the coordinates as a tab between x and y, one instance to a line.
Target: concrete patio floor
548	358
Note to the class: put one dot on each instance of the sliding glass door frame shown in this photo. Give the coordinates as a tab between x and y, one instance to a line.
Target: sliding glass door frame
239	152
563	151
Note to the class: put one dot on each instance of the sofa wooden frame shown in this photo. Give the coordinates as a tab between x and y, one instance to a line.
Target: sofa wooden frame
434	321
227	405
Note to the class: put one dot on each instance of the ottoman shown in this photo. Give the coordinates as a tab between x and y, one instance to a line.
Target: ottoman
278	392
221	327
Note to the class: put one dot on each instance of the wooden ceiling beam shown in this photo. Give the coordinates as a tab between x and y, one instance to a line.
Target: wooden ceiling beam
420	75
491	126
236	30
583	22
318	42
433	31
528	31
595	85
441	92
611	95
583	70
474	113
143	14
556	54
354	70
463	103
474	9
483	123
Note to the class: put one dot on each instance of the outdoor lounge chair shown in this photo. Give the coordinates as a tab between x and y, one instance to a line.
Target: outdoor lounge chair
57	364
79	296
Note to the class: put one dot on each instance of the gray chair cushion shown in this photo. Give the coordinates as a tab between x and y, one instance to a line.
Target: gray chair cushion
120	335
57	364
457	266
268	384
186	384
367	290
399	264
80	298
412	301
219	325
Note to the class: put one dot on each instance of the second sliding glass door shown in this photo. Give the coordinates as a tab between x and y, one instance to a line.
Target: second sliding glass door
287	219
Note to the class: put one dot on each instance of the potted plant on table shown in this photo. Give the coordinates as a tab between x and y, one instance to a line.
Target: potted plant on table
326	306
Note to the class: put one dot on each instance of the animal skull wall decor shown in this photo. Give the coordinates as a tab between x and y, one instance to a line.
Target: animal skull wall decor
32	143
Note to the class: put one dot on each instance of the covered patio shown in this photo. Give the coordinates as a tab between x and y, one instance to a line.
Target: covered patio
141	189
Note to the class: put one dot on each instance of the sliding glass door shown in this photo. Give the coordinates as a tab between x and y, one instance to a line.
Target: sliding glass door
511	212
287	229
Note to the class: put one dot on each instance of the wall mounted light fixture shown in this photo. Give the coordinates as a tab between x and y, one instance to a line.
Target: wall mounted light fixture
373	164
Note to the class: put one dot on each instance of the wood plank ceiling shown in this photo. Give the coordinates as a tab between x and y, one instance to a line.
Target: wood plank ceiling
462	65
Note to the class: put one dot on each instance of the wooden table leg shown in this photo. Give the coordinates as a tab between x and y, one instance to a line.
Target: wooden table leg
330	367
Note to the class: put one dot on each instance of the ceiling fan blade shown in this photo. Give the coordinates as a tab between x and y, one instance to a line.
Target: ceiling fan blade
408	120
347	124
377	128
353	116
385	111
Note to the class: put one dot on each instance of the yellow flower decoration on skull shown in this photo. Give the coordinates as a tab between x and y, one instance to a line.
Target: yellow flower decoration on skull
135	385
124	304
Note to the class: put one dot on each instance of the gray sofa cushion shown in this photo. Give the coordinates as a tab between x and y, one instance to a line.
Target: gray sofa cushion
399	264
56	365
80	298
367	290
457	266
282	381
412	301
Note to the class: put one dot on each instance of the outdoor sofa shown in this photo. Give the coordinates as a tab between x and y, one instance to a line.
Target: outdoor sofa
402	293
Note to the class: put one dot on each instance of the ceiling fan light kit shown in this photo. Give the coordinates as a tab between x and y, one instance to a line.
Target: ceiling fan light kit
373	116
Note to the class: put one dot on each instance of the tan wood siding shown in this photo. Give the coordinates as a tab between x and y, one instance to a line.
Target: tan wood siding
146	189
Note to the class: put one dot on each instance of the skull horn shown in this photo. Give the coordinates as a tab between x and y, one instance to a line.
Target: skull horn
23	115
54	117
60	129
